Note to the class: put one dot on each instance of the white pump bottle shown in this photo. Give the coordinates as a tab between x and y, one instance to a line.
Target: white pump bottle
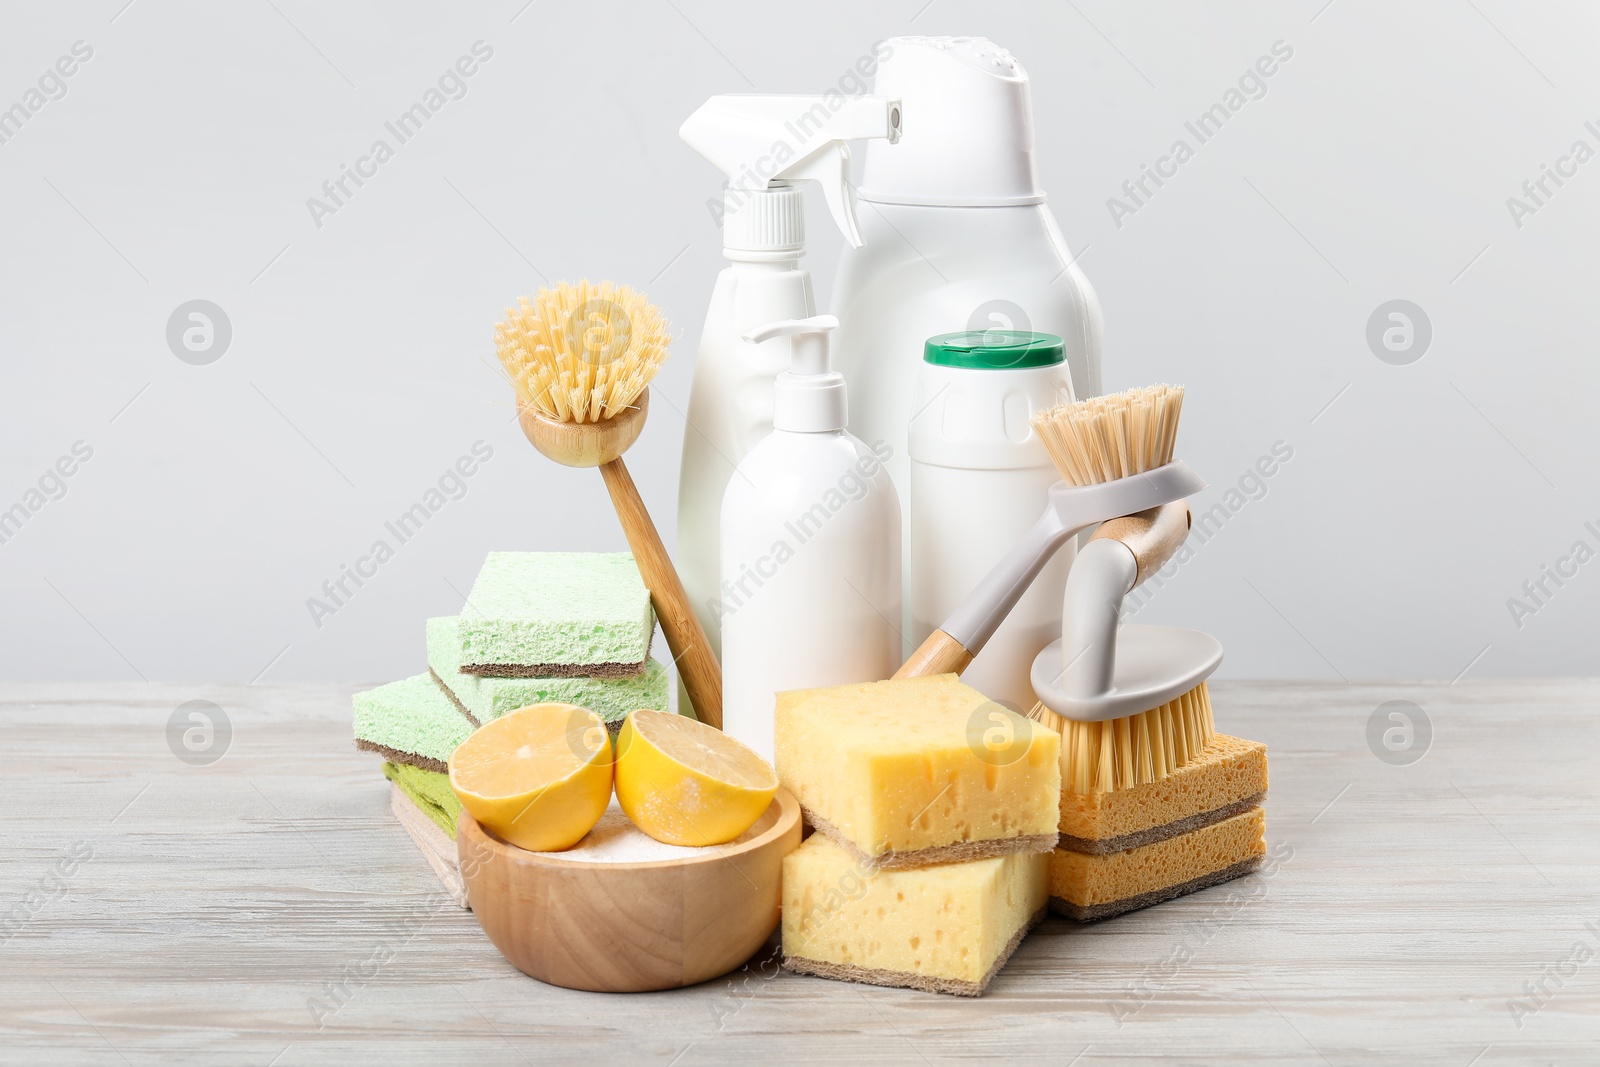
956	237
766	146
810	591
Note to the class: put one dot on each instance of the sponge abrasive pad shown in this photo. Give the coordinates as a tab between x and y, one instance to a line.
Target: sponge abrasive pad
409	721
430	791
483	698
904	771
944	929
1088	887
543	614
1228	776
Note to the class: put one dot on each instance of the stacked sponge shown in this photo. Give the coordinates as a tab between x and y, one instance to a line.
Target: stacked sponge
538	627
935	811
1128	848
541	627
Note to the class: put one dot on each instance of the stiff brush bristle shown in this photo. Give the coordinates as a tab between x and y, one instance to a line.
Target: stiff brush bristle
1100	757
1113	436
581	353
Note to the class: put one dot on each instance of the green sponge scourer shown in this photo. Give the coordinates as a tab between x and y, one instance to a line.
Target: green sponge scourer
550	614
409	721
482	698
430	791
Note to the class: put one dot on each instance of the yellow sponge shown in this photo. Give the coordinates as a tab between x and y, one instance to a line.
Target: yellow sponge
1088	887
1228	776
945	929
918	771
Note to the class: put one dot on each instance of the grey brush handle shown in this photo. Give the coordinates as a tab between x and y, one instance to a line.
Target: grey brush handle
982	612
950	648
1122	553
1071	510
1102	575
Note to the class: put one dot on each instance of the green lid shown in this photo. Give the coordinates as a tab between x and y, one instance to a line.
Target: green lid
994	349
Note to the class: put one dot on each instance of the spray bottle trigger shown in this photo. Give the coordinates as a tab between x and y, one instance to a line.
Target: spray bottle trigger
830	168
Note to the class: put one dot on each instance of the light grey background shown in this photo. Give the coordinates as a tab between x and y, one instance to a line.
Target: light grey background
219	498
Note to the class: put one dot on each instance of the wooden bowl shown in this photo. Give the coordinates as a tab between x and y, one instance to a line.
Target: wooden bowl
630	927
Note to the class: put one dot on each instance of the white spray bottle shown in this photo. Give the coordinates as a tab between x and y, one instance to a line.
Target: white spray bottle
956	237
810	591
767	146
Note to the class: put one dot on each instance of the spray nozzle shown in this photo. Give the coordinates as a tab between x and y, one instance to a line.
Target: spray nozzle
758	141
809	397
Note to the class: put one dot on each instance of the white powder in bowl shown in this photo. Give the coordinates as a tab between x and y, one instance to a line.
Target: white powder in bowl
615	839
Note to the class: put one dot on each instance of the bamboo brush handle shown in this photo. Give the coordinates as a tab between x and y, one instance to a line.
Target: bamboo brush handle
697	664
1152	536
939	654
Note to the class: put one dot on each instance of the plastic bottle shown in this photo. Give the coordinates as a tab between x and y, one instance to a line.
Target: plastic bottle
956	235
979	476
766	146
810	531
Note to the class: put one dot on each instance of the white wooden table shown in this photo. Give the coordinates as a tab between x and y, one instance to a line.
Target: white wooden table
1433	911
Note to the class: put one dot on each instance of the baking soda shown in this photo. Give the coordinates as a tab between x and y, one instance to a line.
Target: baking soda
615	839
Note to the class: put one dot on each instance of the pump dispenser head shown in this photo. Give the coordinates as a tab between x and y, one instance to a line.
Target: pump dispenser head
810	396
767	144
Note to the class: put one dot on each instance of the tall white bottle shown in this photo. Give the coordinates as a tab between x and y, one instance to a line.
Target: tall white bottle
956	236
766	146
810	590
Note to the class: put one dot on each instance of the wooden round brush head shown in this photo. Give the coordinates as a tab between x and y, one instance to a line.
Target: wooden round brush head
584	444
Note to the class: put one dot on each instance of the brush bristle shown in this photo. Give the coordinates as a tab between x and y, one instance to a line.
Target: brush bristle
1113	436
1099	757
581	353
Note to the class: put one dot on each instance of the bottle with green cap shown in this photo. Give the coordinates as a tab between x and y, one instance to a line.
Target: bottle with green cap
979	475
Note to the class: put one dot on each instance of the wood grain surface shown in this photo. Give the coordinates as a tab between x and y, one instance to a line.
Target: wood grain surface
268	909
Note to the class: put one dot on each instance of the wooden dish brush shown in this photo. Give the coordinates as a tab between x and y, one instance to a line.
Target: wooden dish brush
581	358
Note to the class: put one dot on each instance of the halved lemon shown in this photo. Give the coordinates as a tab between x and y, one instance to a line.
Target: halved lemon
537	778
686	783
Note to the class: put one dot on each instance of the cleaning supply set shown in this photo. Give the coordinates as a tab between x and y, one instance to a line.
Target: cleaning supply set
954	236
929	522
538	627
559	826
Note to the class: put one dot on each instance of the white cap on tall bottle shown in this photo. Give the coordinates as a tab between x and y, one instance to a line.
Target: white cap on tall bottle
971	140
810	396
766	145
